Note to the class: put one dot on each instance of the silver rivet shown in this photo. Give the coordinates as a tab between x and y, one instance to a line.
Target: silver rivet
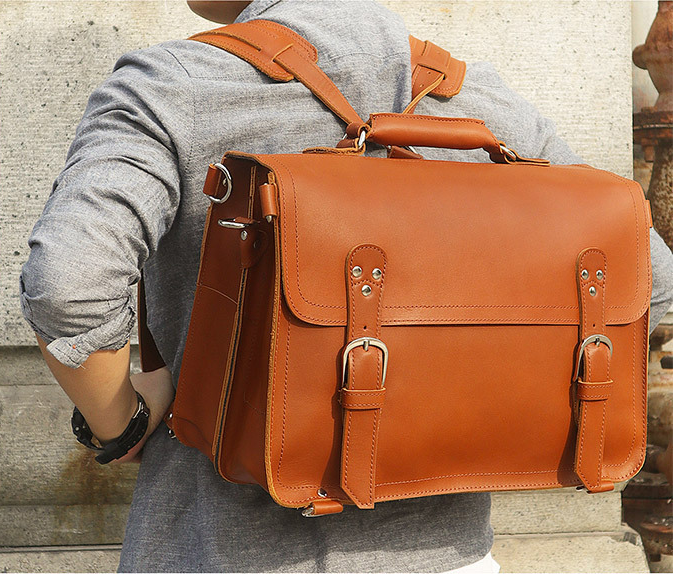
269	218
322	493
244	235
599	275
585	274
357	271
592	291
170	416
366	290
376	274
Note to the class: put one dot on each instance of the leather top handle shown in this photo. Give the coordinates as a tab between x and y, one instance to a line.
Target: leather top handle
431	131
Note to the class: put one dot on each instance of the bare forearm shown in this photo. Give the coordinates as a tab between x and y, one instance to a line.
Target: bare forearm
101	388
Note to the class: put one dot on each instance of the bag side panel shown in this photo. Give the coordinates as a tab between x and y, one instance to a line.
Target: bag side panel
241	449
212	323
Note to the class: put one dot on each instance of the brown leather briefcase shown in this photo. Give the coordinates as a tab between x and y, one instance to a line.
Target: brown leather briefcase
369	329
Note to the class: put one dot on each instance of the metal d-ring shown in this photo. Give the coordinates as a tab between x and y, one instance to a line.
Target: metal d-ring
504	150
597	340
361	139
226	183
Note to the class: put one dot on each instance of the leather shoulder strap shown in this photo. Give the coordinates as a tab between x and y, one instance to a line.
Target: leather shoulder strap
283	55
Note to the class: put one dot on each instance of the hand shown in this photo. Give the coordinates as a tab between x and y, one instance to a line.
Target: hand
156	387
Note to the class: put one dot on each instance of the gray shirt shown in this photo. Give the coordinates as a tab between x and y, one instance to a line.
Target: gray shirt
130	197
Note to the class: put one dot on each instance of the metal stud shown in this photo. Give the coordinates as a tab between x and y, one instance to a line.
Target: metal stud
244	235
366	290
599	275
377	273
322	493
255	245
592	291
357	271
585	274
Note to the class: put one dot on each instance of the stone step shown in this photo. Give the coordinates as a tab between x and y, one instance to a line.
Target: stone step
561	510
62	525
60	559
618	551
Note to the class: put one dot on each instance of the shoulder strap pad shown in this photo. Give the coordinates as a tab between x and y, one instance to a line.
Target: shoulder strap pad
283	55
428	62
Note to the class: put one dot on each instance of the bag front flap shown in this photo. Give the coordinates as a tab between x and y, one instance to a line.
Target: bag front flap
466	243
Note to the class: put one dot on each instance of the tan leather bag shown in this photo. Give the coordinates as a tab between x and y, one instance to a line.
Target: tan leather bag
369	329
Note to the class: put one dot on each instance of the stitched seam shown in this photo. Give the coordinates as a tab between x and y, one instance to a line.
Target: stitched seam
282	439
362	394
485	487
353	283
601	447
326	97
372	456
190	153
356	406
467	474
310	49
633	398
349	416
282	442
280	36
245	53
580	450
284	224
441	120
447	320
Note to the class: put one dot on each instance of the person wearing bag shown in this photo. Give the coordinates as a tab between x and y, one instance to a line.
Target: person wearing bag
129	198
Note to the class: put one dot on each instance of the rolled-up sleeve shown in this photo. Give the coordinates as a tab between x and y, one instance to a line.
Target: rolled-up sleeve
116	197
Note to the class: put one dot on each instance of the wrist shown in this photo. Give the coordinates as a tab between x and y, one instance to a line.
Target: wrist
108	422
117	448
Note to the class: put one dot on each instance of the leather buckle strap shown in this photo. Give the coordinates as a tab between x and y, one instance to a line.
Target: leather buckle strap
592	390
364	372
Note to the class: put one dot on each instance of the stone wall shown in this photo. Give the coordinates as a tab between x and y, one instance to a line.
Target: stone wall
571	58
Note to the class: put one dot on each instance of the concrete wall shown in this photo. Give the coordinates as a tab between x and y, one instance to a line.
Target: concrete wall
570	57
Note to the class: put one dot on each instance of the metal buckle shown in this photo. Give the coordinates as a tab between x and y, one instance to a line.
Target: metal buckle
231	224
365	342
228	187
597	340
